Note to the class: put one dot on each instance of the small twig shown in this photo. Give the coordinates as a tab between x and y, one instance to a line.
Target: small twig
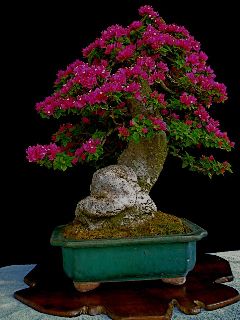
162	84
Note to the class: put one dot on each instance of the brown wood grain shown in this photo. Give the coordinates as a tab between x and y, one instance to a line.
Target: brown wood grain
51	292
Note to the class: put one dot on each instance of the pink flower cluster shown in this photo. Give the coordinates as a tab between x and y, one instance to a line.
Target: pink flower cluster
212	125
112	32
156	39
135	25
148	11
158	123
160	98
90	84
121	81
39	152
156	66
126	53
89	147
123	131
187	99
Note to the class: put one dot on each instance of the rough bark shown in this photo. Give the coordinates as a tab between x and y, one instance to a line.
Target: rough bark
121	192
146	159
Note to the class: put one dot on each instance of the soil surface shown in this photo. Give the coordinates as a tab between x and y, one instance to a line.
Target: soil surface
160	224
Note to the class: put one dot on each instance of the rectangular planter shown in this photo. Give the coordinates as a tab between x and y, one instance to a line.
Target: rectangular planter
129	258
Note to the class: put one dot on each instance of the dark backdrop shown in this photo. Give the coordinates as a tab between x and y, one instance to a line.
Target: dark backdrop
40	40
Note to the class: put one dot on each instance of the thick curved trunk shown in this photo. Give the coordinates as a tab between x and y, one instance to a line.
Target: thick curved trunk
120	193
146	158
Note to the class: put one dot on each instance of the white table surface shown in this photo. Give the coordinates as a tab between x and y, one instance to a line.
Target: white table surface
11	280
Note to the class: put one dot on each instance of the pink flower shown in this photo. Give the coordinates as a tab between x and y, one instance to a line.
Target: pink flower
174	116
164	112
75	160
225	163
100	112
79	152
161	98
193	59
112	46
123	131
211	128
83	156
144	130
132	87
158	123
91	145
48	109
39	152
86	51
203	56
187	99
85	120
189	122
156	76
135	25
121	105
113	31
191	76
156	66
146	62
36	153
221	88
126	53
52	151
147	10
176	29
163	66
202	113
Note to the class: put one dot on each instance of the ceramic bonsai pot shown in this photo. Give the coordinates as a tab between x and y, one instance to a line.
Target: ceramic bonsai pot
90	262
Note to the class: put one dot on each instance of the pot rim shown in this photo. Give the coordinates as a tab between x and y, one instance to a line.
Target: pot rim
197	233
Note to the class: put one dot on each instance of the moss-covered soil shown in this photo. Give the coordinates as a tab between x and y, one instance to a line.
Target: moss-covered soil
161	224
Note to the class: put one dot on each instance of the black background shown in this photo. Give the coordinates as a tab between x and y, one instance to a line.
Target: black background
40	39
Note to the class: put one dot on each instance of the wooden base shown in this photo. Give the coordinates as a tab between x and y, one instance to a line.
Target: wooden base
51	292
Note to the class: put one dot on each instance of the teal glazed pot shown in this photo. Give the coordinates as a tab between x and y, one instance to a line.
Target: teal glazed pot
145	258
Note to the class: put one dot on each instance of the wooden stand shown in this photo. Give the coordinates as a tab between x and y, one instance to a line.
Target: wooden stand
51	292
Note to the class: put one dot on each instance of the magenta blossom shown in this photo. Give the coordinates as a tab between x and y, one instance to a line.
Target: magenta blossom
187	99
123	132
91	145
39	152
135	82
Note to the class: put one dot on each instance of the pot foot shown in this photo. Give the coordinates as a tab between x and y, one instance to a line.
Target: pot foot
174	281
85	286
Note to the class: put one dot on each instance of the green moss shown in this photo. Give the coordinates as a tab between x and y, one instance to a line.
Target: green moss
161	224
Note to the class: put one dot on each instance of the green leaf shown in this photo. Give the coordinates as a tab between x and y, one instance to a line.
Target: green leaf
62	162
135	136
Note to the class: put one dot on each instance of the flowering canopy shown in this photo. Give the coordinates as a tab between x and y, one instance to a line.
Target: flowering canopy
136	81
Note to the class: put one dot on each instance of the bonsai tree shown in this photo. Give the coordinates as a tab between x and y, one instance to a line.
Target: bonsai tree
139	93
